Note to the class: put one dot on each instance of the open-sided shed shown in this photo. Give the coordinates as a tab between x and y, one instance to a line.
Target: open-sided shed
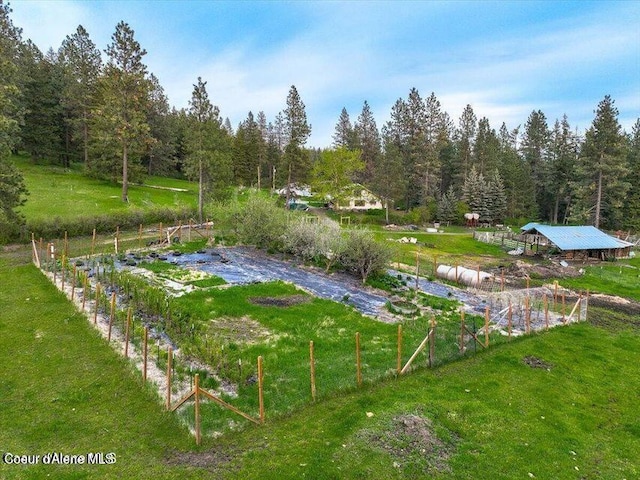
575	242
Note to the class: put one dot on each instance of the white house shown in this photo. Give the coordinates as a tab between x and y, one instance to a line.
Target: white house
358	198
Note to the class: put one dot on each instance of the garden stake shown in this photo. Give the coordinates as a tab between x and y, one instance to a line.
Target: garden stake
509	318
564	319
73	284
65	249
358	372
140	236
112	315
417	269
312	363
527	315
93	242
399	362
502	279
260	389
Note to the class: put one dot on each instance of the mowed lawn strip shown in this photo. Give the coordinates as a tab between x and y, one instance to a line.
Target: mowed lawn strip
63	389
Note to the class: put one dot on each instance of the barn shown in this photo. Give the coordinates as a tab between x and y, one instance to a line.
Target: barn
574	242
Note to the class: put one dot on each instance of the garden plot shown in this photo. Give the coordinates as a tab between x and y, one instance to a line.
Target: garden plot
241	266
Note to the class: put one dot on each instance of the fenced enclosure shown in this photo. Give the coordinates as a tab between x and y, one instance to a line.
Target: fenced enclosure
311	349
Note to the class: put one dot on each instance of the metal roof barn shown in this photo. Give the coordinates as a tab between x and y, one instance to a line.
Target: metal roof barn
578	238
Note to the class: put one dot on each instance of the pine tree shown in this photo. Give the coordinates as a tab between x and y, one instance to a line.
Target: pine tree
160	154
120	116
560	162
344	135
12	187
368	142
602	169
486	148
82	65
497	198
448	206
632	203
208	144
535	143
42	129
297	131
466	134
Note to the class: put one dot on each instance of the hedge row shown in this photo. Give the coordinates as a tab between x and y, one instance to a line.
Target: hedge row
105	223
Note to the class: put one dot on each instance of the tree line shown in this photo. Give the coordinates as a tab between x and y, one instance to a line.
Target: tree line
107	111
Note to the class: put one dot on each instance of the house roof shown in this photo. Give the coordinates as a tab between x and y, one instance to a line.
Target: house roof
576	238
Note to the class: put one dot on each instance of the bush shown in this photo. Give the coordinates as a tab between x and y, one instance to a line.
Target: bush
262	223
363	255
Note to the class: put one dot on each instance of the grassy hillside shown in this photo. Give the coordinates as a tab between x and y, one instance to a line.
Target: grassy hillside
495	415
56	192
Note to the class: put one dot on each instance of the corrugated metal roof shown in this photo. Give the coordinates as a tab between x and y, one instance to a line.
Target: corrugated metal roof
529	226
578	238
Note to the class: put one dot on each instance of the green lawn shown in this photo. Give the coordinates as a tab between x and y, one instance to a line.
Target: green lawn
490	416
621	278
56	192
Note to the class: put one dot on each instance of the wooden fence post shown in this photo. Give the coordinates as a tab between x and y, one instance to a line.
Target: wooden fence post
169	354
527	315
313	371
260	389
502	279
486	326
417	269
145	353
509	319
140	236
564	309
399	360
555	294
160	230
580	306
73	285
93	242
435	265
197	409
126	336
358	365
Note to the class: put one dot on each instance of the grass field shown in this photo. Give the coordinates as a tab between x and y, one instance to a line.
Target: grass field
491	416
56	192
621	278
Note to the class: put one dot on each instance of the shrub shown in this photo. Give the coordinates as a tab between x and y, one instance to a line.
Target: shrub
262	223
363	255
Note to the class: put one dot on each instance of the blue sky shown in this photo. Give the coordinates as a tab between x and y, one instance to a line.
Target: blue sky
504	58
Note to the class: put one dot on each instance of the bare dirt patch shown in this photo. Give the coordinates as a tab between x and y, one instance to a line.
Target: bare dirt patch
535	362
286	301
410	439
212	460
239	330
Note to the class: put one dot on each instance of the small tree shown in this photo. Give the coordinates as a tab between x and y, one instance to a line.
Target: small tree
262	223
